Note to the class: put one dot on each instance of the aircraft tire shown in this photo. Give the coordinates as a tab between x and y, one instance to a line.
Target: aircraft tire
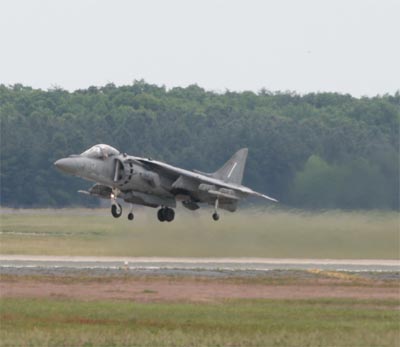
161	215
130	216
116	210
215	216
169	214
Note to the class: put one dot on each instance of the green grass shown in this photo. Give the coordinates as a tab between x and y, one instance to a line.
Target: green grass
247	233
336	322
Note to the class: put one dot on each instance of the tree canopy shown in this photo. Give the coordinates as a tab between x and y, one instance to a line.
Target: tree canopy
319	150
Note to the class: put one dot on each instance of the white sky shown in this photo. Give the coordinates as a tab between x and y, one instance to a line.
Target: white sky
348	46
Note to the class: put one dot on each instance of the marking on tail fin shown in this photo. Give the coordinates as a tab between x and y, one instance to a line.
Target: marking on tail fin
233	168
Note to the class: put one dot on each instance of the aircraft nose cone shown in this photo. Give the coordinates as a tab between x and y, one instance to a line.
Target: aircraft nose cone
67	165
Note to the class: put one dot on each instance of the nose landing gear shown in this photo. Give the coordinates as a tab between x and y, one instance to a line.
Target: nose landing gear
166	214
116	208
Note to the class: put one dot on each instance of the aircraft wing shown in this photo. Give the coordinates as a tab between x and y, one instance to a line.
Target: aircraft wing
175	172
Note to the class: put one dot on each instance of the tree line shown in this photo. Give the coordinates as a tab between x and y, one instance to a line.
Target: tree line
319	150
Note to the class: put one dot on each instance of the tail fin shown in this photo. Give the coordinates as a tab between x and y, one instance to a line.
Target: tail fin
232	170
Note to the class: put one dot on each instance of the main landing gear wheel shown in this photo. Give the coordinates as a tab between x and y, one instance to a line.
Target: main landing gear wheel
130	216
160	215
169	214
166	214
215	216
116	210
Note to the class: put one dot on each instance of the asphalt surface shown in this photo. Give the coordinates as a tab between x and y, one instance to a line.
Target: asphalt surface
193	265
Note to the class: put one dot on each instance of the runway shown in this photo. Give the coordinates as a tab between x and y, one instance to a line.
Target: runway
193	265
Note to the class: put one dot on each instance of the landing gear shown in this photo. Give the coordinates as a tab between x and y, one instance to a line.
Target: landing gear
130	214
160	215
215	215
166	214
169	215
116	210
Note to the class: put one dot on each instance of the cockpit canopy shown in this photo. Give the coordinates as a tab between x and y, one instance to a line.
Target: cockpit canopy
100	151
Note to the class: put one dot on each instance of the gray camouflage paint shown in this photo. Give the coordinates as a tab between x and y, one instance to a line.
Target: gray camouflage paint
153	183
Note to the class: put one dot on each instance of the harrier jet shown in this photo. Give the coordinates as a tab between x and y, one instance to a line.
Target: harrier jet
152	183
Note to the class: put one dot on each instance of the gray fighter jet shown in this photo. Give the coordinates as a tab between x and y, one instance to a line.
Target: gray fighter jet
152	183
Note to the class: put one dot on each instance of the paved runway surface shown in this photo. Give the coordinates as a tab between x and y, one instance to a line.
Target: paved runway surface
194	265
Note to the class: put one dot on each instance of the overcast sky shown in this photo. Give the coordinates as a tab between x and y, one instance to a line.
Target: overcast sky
346	46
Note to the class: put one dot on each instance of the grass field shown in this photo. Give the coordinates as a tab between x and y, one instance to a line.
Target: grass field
334	322
269	233
141	318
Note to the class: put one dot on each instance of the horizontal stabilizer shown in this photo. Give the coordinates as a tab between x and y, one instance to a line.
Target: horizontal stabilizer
268	198
264	196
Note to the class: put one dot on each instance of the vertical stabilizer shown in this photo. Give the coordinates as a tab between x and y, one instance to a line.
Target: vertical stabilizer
232	171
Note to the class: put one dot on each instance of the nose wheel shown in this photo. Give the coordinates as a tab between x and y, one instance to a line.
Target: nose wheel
116	210
166	214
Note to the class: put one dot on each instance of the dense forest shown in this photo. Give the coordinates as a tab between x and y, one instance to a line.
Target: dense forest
323	150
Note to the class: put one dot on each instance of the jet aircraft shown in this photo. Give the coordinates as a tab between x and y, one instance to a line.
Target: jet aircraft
153	183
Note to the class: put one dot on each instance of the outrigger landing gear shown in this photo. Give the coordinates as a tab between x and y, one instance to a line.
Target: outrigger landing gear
215	215
166	214
130	214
